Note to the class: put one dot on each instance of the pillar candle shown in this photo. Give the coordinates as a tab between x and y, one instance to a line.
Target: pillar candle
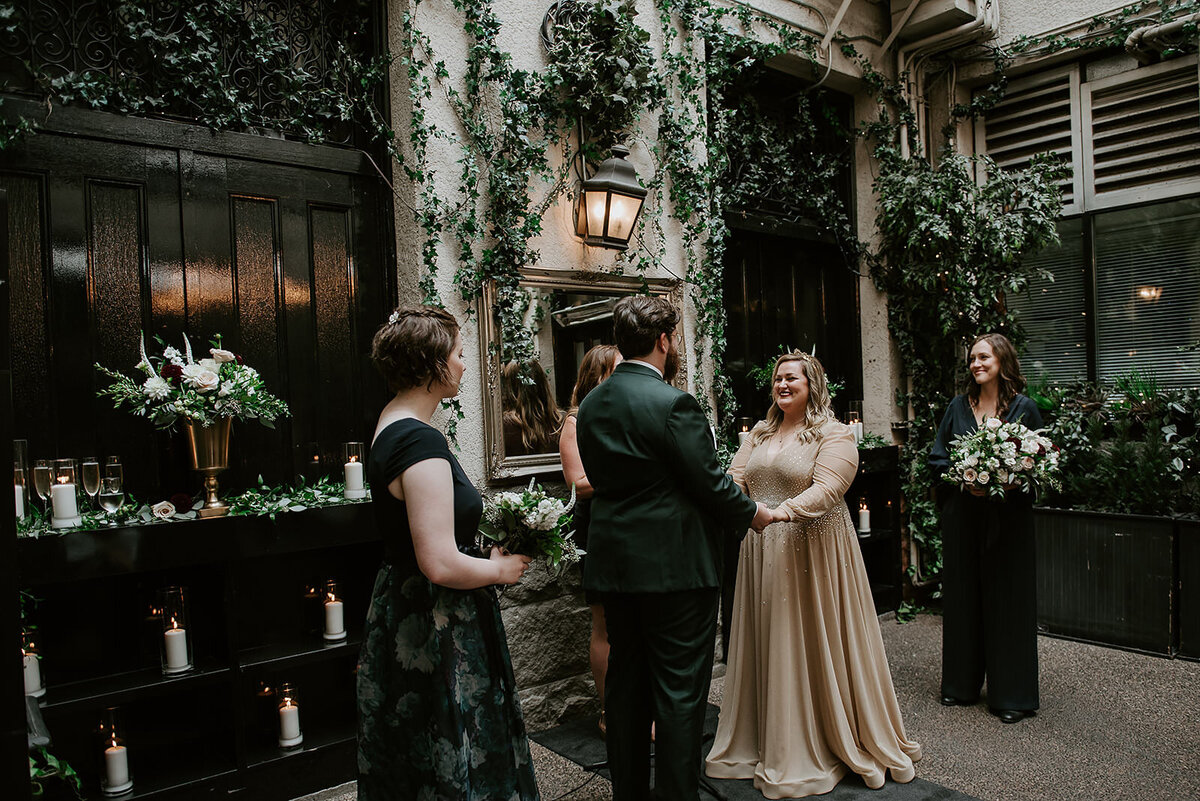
33	675
175	644
116	766
858	431
289	721
742	437
20	501
354	476
334	621
864	518
62	499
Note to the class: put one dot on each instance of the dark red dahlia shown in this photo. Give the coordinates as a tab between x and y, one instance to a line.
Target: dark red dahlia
173	373
239	359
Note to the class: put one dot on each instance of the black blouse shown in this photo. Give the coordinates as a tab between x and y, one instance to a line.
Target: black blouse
960	419
398	447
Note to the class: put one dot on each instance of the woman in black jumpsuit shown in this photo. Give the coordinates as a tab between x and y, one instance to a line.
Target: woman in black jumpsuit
989	623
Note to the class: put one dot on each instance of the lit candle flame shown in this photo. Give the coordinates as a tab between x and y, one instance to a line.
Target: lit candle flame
332	597
174	624
862	505
354	458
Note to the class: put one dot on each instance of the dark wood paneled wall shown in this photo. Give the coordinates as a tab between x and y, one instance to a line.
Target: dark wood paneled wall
119	226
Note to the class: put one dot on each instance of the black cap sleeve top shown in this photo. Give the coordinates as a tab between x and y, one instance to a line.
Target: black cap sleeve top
399	446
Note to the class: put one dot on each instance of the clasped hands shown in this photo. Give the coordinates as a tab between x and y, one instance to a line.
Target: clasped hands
765	516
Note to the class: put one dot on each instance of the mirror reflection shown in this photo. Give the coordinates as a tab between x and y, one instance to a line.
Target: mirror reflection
537	393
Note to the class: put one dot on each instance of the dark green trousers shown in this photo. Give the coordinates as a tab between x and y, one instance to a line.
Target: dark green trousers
659	668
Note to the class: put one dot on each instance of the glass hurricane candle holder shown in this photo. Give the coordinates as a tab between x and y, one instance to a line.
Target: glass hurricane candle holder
64	495
288	706
116	778
32	660
864	517
355	455
20	489
335	618
743	425
854	419
176	640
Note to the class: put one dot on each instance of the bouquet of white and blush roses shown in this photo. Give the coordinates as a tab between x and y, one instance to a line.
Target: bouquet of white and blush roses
533	524
1000	456
201	390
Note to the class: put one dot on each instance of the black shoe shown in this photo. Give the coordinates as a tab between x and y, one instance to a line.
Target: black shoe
950	700
1012	715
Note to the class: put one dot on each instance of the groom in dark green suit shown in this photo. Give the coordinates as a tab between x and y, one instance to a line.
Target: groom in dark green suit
661	507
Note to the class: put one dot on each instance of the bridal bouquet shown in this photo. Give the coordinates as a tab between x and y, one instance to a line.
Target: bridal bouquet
533	524
200	390
1001	456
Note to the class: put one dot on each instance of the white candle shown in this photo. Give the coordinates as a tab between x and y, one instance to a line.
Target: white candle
62	500
19	495
116	766
335	626
33	675
864	519
289	723
354	475
858	431
175	645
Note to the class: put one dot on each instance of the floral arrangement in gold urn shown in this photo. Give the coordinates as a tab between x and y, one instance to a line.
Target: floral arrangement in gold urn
205	394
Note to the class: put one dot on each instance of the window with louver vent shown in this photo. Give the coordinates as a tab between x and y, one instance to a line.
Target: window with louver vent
1126	288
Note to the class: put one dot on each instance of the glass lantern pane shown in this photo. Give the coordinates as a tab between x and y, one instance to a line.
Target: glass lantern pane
623	212
594	206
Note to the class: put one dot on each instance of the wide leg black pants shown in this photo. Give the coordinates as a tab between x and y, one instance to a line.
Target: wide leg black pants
989	598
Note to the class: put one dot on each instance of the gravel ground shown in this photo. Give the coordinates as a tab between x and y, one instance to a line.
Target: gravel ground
1114	726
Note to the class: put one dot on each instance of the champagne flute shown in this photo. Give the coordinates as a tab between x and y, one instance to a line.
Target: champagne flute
91	477
41	479
111	496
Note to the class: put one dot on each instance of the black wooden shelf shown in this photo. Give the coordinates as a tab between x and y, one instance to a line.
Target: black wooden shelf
162	787
296	654
99	553
876	535
117	689
314	740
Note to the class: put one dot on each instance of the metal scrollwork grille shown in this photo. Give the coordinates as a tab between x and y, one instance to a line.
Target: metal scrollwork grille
273	62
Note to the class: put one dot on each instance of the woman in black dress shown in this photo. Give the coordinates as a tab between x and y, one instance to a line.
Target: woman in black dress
438	711
989	622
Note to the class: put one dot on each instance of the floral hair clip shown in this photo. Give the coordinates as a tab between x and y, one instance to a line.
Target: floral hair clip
394	318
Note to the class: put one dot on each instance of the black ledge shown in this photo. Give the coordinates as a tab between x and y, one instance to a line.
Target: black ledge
95	553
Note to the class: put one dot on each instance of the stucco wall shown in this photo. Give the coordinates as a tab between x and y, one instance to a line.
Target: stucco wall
548	623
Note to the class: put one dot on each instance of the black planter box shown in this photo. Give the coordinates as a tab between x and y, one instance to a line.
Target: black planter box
1189	588
1108	578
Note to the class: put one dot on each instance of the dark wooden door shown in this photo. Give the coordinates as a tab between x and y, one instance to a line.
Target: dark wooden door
119	226
789	289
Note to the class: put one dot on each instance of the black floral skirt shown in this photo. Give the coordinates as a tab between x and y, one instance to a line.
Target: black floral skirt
438	714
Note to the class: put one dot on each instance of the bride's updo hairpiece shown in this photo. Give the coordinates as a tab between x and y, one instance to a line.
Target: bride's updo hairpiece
819	409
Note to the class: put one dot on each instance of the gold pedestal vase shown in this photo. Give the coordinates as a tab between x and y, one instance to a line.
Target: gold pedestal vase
210	455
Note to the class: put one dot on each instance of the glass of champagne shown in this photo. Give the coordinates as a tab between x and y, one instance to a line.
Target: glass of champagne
111	497
91	477
41	479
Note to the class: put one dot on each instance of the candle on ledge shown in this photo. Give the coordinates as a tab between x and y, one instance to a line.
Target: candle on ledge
864	517
175	648
353	470
116	769
65	511
744	424
33	673
335	623
19	499
289	717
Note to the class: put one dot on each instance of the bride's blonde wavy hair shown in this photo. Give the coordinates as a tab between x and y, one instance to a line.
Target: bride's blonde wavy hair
820	407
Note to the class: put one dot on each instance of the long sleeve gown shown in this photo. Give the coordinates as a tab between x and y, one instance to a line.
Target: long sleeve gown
808	694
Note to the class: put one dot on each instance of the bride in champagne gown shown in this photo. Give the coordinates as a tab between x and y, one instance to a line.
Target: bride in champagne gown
808	694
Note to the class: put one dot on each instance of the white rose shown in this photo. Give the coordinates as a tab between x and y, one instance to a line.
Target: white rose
994	422
1027	462
164	510
156	388
969	476
971	460
201	379
1003	476
984	477
222	356
210	364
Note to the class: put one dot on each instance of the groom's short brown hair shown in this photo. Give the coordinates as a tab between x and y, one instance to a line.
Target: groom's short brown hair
638	322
